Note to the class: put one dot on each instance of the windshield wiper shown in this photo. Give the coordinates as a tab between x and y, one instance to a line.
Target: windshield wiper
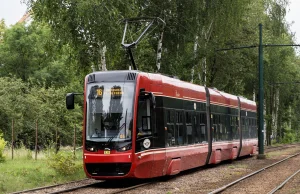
120	127
112	137
125	123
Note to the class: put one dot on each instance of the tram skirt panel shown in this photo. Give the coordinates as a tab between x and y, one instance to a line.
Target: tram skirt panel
174	167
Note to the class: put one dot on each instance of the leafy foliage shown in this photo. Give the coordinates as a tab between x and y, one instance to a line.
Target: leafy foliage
42	61
62	163
2	146
2	29
26	106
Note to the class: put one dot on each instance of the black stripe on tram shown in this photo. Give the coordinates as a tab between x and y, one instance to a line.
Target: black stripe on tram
208	118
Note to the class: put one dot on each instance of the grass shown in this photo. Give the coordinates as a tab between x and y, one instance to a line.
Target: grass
24	172
278	153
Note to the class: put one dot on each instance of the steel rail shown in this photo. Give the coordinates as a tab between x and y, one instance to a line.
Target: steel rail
249	175
130	188
73	188
281	147
114	192
48	187
283	183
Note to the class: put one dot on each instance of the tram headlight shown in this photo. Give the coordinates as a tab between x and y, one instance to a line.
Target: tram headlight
124	148
91	149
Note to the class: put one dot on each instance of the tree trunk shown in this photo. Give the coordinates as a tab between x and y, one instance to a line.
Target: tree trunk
159	51
275	113
204	70
195	57
290	117
268	118
103	59
206	34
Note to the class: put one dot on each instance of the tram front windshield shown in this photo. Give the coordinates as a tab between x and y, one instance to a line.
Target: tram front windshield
109	111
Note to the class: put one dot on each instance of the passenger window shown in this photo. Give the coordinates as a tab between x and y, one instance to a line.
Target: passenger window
170	118
215	127
171	137
180	137
202	123
247	127
233	125
144	118
223	135
170	128
198	128
243	128
189	127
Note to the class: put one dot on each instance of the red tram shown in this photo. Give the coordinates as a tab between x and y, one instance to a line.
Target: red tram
146	125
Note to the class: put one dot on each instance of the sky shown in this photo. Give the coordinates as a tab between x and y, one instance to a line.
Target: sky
13	10
293	17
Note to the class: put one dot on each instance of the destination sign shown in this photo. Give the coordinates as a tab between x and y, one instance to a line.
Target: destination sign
112	91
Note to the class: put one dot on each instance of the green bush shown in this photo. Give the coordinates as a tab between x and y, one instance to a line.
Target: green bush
62	163
2	146
29	154
289	136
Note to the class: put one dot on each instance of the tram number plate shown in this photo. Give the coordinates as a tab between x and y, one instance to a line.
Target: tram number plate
106	151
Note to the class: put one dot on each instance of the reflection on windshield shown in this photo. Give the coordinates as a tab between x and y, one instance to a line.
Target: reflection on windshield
109	111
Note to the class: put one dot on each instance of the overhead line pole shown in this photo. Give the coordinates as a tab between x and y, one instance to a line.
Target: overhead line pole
279	83
261	89
254	46
236	48
261	154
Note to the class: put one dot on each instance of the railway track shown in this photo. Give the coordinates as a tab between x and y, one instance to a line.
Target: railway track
244	179
109	187
112	187
93	186
57	188
130	188
280	147
283	183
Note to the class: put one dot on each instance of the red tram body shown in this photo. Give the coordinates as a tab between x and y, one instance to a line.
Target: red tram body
144	125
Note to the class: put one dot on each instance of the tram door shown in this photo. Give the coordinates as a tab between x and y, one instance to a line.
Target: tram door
146	136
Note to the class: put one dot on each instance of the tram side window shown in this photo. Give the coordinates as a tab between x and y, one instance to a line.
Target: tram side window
233	123
228	127
250	128
196	128
189	127
253	128
218	128
255	131
222	126
214	128
237	128
144	118
203	135
247	128
179	133
243	128
170	127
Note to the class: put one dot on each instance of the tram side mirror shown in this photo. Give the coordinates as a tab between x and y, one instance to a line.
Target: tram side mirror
148	95
152	99
70	101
